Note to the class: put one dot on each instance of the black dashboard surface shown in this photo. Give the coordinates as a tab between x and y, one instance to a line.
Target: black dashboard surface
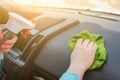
54	55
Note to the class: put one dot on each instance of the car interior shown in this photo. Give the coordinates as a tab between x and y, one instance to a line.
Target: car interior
45	55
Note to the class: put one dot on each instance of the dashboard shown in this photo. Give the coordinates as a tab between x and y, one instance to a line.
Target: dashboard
45	54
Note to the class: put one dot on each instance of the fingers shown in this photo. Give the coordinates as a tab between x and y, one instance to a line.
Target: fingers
11	41
86	43
5	50
91	44
95	47
6	47
8	44
79	43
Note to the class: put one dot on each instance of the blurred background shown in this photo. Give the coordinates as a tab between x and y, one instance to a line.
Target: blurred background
101	5
111	6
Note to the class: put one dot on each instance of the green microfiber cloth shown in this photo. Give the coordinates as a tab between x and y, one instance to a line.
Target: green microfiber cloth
97	39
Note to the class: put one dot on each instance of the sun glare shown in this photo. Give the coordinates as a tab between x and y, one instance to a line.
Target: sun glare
97	5
46	3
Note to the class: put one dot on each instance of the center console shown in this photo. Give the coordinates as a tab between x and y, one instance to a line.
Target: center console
12	62
17	59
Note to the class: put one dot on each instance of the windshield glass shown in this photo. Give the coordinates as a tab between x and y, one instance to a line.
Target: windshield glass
110	6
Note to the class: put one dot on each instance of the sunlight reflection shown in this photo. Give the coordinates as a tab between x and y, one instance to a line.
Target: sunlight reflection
98	5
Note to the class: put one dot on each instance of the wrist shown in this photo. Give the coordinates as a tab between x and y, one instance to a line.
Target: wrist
80	70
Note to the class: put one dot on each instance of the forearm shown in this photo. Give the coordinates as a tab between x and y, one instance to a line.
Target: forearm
74	72
69	76
78	69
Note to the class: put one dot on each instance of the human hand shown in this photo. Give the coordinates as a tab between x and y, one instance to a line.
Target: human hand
8	43
82	56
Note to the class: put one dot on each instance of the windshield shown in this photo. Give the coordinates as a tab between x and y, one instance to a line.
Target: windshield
110	6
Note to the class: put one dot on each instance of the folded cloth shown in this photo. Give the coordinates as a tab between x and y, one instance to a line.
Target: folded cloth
97	39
